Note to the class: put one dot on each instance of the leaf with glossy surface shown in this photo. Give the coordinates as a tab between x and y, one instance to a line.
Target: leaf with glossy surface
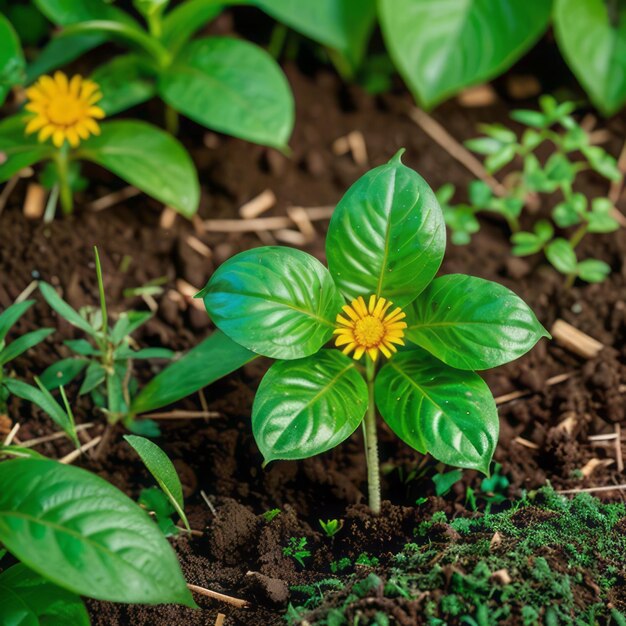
387	235
233	87
163	471
471	323
23	343
187	18
85	535
12	64
125	81
593	43
440	47
148	158
276	301
210	360
27	599
308	406
66	12
344	25
17	149
438	409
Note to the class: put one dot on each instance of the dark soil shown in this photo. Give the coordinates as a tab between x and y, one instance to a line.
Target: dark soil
239	552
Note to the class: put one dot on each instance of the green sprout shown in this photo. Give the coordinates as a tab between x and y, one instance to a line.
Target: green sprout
573	214
297	550
385	244
271	514
331	527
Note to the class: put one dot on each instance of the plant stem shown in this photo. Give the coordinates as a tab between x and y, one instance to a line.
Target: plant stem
171	120
579	233
371	441
103	304
67	199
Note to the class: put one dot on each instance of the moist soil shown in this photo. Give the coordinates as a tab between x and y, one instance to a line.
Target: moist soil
236	550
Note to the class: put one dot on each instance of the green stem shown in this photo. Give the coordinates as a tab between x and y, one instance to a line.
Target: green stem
579	233
277	40
171	120
103	304
65	191
155	25
371	441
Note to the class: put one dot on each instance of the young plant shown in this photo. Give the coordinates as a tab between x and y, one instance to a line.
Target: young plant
331	527
61	127
105	357
297	550
553	125
49	514
385	243
225	84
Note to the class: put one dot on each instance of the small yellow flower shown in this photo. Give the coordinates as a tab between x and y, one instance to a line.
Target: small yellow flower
370	328
63	109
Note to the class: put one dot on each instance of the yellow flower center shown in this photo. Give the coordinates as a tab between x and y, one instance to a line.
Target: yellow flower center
370	328
63	110
369	331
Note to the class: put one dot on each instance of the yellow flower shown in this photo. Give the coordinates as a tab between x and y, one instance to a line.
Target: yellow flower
63	109
370	328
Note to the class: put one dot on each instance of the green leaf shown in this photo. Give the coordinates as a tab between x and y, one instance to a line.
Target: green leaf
497	161
561	254
593	43
233	87
94	377
27	599
10	316
308	406
432	407
559	169
530	243
17	149
387	235
570	211
445	482
600	219
19	452
148	158
127	323
187	18
210	360
82	347
64	309
602	162
472	324
276	301
125	81
12	64
340	24
441	47
85	535
46	402
62	372
126	352
593	270
23	343
531	118
163	471
66	12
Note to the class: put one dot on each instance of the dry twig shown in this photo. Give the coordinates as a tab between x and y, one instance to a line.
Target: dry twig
240	604
74	454
258	205
575	340
111	199
182	415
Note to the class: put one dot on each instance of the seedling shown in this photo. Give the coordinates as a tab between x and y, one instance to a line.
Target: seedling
223	83
553	125
385	244
61	127
331	527
297	550
271	514
105	358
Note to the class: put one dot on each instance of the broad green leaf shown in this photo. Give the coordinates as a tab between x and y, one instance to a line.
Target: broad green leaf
12	64
85	535
387	235
600	219
187	18
471	323
10	316
27	599
441	46
593	270
17	149
435	408
66	12
561	254
125	81
62	372
344	25
163	470
593	42
276	301
148	158
64	309
210	360
308	406
23	343
19	452
46	402
231	86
